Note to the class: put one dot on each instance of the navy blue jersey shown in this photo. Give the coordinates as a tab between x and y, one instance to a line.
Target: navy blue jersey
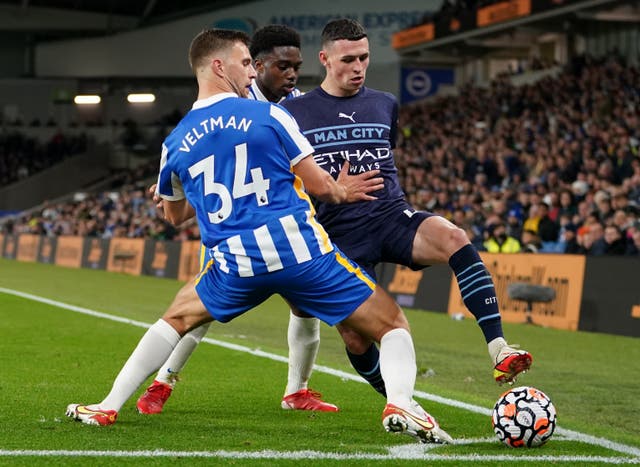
361	129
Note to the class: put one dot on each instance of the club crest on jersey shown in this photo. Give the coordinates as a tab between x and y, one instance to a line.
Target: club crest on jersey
348	117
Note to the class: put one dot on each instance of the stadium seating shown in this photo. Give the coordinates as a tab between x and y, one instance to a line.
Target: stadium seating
563	146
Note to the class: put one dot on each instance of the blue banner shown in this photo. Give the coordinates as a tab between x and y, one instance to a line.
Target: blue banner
418	83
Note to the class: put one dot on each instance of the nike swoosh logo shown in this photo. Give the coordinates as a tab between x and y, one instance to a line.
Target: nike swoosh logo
423	423
84	410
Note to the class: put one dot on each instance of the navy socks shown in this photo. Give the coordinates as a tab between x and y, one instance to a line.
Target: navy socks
477	290
368	366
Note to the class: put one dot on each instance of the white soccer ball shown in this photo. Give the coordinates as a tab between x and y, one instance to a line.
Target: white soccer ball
524	417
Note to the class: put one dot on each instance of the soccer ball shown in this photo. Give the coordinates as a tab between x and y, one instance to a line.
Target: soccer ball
524	417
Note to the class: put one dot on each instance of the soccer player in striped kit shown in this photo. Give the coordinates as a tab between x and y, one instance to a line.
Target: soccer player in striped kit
277	58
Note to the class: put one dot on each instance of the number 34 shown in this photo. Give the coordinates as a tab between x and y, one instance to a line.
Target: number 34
258	185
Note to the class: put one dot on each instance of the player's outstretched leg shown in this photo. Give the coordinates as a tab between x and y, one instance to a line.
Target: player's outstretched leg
154	348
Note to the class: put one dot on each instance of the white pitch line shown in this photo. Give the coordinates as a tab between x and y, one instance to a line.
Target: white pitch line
412	452
569	434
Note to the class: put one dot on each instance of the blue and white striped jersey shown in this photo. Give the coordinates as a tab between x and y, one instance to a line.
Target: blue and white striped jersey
231	158
256	94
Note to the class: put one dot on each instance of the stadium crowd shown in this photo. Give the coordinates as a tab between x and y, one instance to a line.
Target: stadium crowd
552	166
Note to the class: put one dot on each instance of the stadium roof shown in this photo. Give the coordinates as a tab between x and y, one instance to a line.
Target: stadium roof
504	26
59	19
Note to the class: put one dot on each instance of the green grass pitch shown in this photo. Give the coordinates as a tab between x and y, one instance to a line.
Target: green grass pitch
226	409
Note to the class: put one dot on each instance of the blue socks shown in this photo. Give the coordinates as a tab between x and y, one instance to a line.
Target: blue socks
477	290
368	366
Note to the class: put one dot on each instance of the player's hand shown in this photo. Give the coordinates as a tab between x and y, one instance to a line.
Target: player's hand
357	186
156	198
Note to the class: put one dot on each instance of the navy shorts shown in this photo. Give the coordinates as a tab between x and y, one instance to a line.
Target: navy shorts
329	287
385	238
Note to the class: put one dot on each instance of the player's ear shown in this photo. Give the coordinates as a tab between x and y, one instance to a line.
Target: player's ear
322	56
258	65
217	66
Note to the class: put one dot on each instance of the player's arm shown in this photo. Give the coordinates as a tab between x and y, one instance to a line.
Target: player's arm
346	189
175	212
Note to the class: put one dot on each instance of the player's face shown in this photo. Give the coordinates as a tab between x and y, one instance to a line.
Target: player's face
278	72
239	69
346	64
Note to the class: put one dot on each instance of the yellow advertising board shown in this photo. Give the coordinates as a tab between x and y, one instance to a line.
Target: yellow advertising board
563	273
69	251
189	260
125	255
28	247
405	280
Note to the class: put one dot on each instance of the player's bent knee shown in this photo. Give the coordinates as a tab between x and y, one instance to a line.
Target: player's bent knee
452	238
377	315
355	342
458	238
183	323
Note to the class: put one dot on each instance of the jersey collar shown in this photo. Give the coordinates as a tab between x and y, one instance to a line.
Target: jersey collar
201	103
256	93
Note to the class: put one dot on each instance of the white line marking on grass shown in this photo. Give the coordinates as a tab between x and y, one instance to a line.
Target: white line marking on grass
568	434
412	452
78	309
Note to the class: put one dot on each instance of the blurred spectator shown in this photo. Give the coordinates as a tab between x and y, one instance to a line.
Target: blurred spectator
547	229
498	241
514	223
568	242
590	237
611	243
531	242
633	248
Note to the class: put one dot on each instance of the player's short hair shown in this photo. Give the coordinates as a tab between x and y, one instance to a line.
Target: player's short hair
341	29
213	40
265	39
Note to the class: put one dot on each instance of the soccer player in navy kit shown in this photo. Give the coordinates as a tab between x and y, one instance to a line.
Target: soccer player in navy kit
241	168
277	58
346	121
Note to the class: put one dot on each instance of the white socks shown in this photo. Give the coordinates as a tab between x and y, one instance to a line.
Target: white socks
152	351
398	366
181	353
303	337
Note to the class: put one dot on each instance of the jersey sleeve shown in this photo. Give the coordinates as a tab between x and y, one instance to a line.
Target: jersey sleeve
169	186
296	146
